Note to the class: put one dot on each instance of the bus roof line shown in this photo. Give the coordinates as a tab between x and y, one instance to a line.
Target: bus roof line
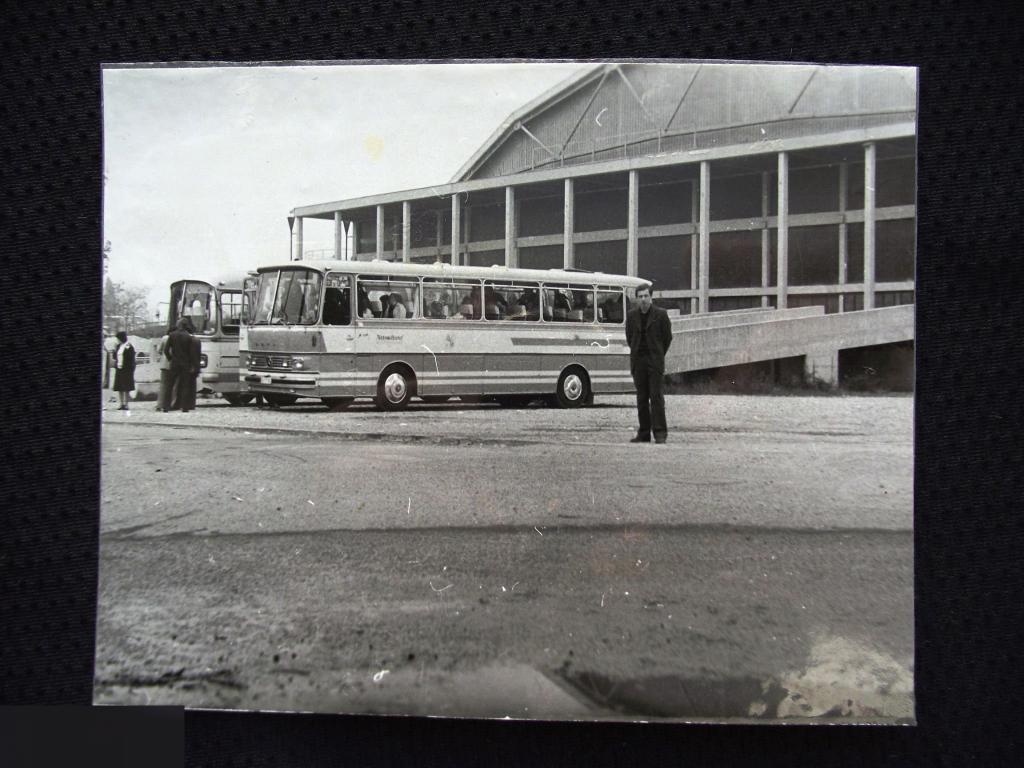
406	268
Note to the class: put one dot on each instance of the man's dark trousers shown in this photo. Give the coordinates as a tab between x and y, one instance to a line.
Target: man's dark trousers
650	398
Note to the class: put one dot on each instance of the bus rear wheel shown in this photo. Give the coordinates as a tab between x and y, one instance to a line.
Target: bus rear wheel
337	403
395	388
573	388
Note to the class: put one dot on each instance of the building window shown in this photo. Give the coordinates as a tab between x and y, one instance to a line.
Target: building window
608	256
814	255
595	211
665	261
814	190
486	258
894	250
735	260
542	257
665	203
736	197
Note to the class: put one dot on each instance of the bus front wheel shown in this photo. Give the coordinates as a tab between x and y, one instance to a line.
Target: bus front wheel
395	388
573	388
238	398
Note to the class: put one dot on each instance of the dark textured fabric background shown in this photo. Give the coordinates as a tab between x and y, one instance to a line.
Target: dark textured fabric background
969	394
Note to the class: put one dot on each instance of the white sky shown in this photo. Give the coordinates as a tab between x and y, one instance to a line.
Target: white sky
203	165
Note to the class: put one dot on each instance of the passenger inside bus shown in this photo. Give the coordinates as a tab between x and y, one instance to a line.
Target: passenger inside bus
363	303
556	305
435	304
495	305
336	307
531	302
611	308
473	300
398	309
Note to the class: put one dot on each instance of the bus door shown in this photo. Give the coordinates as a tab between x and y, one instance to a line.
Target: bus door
511	361
338	360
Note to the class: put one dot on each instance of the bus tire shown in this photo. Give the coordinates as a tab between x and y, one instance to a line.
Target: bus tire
395	388
278	399
337	403
573	388
237	398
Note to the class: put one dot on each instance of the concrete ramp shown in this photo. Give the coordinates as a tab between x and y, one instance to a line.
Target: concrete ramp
719	339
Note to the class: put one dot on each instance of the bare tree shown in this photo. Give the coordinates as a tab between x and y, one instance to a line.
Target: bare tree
124	307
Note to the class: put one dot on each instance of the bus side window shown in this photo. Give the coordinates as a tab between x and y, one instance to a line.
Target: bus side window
609	306
556	305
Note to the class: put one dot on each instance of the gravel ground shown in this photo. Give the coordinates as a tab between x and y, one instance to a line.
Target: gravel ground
482	561
886	419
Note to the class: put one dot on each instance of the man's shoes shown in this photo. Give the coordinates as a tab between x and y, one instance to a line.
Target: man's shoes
659	440
640	439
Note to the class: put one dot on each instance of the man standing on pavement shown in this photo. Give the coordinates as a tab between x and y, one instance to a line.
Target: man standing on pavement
649	335
179	349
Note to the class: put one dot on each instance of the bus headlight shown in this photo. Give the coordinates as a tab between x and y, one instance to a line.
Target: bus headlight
203	360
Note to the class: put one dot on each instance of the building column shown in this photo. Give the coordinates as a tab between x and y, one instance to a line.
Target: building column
844	260
869	226
704	267
297	231
339	228
568	226
782	249
456	229
694	218
353	251
510	227
406	229
632	239
766	259
440	228
380	232
822	366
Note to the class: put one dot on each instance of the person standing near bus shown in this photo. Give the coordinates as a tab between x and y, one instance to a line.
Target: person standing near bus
166	391
649	335
194	360
183	375
124	375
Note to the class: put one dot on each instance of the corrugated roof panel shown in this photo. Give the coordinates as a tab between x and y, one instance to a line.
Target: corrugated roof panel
725	102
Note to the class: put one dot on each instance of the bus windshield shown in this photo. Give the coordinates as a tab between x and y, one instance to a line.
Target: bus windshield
288	297
194	300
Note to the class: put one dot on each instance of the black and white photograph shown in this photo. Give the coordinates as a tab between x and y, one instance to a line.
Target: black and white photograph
564	391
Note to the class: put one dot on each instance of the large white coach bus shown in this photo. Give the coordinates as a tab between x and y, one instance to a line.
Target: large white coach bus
339	330
215	309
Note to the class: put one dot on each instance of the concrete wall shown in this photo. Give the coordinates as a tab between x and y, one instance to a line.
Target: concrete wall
740	338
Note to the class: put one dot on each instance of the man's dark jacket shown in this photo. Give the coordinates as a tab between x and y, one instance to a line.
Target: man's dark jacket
179	351
658	329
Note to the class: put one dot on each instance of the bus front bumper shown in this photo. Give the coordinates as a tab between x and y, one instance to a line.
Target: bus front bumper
278	382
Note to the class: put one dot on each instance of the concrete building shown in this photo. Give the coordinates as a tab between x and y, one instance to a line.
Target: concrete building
732	187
